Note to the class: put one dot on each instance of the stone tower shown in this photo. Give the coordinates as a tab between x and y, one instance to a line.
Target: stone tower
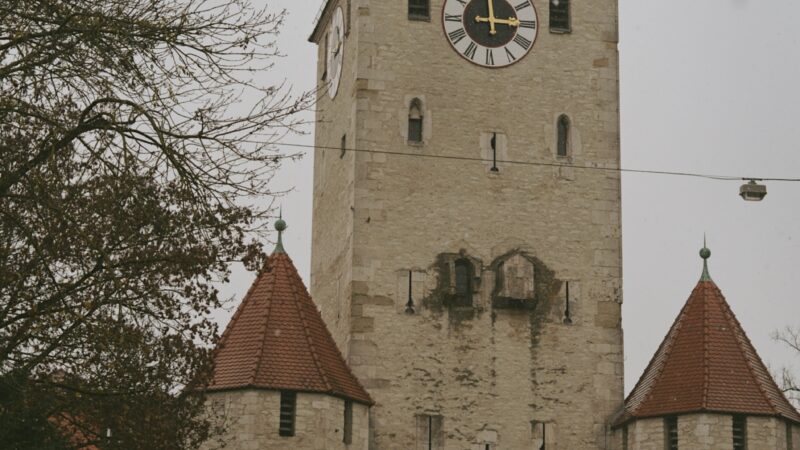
466	238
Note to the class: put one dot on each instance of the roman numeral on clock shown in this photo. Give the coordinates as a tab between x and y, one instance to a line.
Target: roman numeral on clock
453	17
522	42
489	57
509	55
527	24
471	49
523	5
457	35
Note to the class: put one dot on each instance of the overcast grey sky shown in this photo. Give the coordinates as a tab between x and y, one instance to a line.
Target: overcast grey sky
707	86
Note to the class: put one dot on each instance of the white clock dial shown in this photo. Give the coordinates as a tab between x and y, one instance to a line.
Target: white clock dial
491	33
335	51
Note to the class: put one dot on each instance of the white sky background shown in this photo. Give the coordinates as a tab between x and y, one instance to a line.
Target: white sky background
707	86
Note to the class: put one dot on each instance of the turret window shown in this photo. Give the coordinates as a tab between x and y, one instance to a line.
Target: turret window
739	433
562	149
419	10
625	438
671	433
560	20
347	437
288	408
415	122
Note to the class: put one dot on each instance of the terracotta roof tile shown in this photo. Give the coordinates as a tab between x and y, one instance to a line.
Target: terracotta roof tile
278	340
706	363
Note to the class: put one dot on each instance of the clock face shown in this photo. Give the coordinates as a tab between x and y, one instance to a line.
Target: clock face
335	51
491	33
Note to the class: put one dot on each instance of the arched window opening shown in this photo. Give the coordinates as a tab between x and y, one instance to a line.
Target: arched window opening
560	16
463	282
415	121
563	136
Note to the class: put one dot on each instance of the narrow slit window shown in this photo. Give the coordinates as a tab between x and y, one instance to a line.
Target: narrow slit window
415	122
625	438
347	438
419	10
463	282
539	435
671	433
287	417
563	136
789	437
325	58
739	433
343	146
430	432
560	20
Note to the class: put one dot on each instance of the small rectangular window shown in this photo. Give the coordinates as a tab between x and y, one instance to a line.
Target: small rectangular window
419	10
789	437
671	433
288	406
739	433
348	422
430	432
560	16
343	146
325	51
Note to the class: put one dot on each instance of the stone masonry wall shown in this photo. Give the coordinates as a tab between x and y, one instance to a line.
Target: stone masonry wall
646	434
333	214
251	419
766	433
493	374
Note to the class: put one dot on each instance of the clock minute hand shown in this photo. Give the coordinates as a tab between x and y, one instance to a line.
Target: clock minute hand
492	19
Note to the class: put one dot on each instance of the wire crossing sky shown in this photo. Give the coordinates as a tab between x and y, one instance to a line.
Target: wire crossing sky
543	164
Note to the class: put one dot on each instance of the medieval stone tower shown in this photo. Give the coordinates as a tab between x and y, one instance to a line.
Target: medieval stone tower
466	261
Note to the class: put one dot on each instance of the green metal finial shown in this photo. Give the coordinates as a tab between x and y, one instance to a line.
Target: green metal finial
280	225
705	253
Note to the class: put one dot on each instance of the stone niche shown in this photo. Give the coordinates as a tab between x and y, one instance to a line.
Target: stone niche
521	282
459	281
516	279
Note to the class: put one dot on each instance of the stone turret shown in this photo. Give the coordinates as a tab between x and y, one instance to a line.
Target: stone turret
706	387
279	380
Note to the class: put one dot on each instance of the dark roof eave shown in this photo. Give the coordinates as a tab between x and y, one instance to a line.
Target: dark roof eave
314	37
254	387
626	417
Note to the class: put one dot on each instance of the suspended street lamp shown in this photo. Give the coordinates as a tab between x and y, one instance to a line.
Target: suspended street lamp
752	191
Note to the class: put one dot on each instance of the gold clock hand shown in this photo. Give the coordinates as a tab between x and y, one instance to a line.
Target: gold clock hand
492	29
511	21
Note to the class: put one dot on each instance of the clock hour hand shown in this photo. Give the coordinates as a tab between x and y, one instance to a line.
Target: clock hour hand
512	21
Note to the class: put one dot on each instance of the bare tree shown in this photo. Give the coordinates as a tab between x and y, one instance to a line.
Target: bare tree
789	382
128	183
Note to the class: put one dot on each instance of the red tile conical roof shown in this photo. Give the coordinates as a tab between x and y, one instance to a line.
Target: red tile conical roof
706	363
277	340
